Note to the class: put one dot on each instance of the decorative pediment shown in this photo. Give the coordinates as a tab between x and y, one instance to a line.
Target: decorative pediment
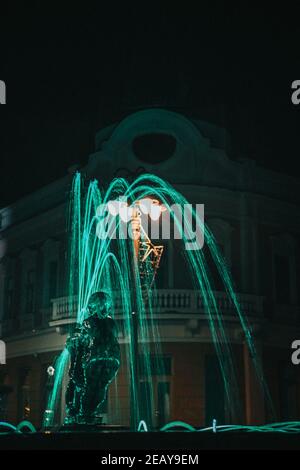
161	142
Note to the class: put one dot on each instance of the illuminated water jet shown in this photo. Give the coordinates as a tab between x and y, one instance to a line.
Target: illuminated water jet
99	262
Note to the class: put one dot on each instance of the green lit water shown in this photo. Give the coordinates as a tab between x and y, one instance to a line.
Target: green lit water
97	264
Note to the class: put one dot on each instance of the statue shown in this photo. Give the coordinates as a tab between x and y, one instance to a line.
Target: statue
95	361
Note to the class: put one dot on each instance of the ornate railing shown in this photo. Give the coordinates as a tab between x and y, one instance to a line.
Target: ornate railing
171	301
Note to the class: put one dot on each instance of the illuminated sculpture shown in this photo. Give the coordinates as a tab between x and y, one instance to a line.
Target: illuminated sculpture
95	360
129	271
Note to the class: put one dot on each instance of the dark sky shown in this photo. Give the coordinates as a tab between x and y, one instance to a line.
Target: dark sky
69	73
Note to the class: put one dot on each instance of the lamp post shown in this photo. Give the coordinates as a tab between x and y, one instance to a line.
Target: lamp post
144	250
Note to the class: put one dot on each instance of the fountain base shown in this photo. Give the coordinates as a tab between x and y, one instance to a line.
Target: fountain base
107	439
92	428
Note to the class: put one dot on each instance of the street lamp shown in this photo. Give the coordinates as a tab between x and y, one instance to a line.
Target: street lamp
144	250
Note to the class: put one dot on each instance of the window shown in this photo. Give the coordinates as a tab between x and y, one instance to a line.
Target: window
282	279
145	397
163	399
30	292
213	272
284	255
9	297
24	394
183	278
154	148
159	365
5	390
159	392
52	280
287	392
214	391
155	390
222	232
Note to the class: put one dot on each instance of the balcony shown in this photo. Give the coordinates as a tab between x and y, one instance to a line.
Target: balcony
167	303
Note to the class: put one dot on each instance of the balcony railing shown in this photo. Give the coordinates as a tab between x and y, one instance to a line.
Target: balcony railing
170	301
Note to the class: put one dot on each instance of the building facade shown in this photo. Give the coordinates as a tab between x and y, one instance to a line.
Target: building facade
254	215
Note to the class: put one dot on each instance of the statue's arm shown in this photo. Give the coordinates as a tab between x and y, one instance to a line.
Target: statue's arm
74	341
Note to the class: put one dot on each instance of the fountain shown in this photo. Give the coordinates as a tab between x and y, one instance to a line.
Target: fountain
104	258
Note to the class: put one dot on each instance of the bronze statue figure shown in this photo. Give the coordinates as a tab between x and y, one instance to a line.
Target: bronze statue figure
95	361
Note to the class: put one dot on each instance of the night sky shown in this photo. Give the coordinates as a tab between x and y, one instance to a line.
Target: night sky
69	74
